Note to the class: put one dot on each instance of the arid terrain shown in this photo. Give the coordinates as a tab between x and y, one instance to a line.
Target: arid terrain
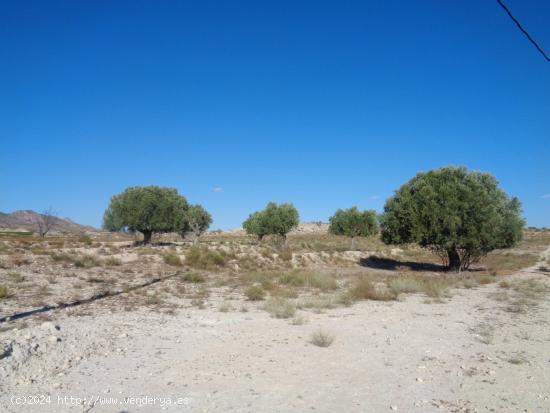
95	322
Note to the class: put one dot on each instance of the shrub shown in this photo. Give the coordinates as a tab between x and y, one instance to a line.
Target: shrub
204	258
366	289
255	293
172	259
193	277
85	239
280	308
86	261
3	291
112	262
321	338
16	276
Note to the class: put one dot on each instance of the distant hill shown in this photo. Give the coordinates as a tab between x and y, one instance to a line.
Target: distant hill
26	220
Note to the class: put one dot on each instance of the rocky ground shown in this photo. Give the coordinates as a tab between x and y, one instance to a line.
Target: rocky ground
477	349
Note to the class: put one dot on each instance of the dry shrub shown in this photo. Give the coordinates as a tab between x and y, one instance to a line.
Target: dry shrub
3	291
321	338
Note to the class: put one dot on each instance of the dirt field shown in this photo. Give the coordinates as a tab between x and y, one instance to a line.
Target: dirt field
325	329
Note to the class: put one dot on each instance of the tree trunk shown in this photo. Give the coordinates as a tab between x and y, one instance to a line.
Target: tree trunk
353	243
195	239
454	260
147	236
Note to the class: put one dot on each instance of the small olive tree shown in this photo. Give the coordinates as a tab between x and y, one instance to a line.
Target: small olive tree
275	219
197	221
458	214
146	209
353	223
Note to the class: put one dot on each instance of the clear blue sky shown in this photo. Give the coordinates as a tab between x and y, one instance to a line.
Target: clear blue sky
323	104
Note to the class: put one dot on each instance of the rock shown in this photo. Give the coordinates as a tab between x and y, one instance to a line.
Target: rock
54	339
394	408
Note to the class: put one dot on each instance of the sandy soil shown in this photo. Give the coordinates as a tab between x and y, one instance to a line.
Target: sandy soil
469	353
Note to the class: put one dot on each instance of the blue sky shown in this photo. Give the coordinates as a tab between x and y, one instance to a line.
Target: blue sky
323	104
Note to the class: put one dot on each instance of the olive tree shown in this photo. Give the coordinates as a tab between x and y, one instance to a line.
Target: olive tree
146	209
353	223
458	214
197	220
275	219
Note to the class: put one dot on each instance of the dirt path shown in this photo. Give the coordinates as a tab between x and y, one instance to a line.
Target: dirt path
472	353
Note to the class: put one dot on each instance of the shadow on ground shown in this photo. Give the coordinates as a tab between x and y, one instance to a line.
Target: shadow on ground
390	264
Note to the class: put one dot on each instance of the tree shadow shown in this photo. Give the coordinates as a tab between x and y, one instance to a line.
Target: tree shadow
380	263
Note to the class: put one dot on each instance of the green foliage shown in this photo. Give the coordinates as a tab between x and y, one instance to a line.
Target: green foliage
193	277
275	219
458	214
353	223
146	209
197	220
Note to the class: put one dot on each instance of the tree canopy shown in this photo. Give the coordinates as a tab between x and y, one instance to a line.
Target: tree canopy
458	214
353	223
197	221
146	209
275	219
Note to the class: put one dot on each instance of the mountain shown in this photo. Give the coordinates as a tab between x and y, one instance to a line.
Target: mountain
27	220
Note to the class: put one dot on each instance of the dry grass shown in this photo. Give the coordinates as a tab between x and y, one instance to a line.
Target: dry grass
298	278
112	262
321	338
504	263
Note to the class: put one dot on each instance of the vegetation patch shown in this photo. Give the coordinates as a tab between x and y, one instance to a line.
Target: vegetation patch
255	293
172	259
321	338
203	258
280	308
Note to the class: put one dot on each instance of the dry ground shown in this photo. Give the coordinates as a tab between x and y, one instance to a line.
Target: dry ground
234	325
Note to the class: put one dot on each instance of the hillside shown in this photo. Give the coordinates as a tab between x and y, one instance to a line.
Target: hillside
27	219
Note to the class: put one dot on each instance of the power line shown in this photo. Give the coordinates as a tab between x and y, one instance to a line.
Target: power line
523	30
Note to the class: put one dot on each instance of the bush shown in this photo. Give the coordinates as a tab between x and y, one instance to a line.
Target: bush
193	277
172	259
321	338
255	293
85	239
113	262
280	308
86	261
366	289
322	281
203	258
3	291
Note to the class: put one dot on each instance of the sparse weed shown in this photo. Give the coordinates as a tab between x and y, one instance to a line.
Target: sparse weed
172	259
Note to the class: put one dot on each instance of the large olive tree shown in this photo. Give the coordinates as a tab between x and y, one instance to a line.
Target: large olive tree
275	219
458	214
146	209
353	223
